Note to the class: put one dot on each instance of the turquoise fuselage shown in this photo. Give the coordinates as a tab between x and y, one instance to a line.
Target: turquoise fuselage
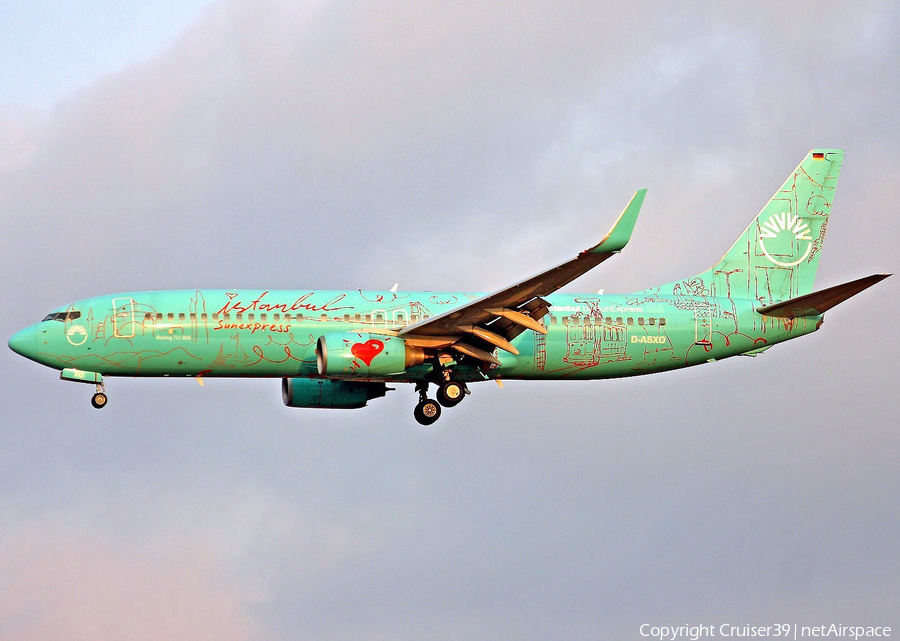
258	333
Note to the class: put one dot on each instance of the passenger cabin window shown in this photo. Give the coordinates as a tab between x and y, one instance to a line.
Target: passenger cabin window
262	317
193	316
630	320
148	316
651	321
379	318
170	316
368	318
250	317
277	317
323	317
346	318
662	321
414	318
181	316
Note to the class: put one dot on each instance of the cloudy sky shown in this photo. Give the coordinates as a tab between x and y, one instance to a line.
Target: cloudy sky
462	146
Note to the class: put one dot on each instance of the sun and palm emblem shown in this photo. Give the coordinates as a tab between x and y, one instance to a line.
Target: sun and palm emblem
76	334
785	223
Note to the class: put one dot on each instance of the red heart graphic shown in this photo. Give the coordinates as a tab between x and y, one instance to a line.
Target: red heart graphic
367	351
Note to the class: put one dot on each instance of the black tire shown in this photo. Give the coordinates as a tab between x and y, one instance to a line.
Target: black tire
451	393
99	400
427	412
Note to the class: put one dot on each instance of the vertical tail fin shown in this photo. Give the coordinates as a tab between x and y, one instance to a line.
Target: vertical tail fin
776	257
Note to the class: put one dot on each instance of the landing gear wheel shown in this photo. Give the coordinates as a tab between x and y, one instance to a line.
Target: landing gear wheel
451	393
99	400
427	412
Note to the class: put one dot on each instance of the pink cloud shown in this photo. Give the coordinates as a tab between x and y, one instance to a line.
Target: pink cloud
56	586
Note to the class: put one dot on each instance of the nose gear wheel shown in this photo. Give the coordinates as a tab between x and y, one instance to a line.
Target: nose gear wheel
99	400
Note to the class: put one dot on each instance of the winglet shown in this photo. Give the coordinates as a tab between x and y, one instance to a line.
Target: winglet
620	234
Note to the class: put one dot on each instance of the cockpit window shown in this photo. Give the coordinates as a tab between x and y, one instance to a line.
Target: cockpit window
62	316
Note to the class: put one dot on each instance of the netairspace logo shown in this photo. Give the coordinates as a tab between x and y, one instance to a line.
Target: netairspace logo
784	631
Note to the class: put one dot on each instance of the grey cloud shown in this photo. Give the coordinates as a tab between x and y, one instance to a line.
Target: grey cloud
333	146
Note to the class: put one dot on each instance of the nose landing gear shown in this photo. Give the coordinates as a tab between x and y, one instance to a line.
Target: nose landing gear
99	399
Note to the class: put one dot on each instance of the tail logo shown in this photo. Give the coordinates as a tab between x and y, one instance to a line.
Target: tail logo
783	230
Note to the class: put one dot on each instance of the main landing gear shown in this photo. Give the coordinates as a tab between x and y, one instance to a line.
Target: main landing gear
427	411
99	399
450	393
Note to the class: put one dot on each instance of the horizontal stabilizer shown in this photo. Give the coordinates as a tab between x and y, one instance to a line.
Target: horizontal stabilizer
820	302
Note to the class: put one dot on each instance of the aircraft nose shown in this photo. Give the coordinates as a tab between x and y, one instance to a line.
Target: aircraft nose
24	342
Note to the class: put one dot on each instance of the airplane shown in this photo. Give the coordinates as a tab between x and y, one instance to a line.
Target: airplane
341	349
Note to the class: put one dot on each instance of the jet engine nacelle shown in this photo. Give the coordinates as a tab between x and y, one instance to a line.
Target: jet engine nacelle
329	394
355	354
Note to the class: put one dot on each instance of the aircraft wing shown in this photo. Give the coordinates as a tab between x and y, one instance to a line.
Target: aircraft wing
493	320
